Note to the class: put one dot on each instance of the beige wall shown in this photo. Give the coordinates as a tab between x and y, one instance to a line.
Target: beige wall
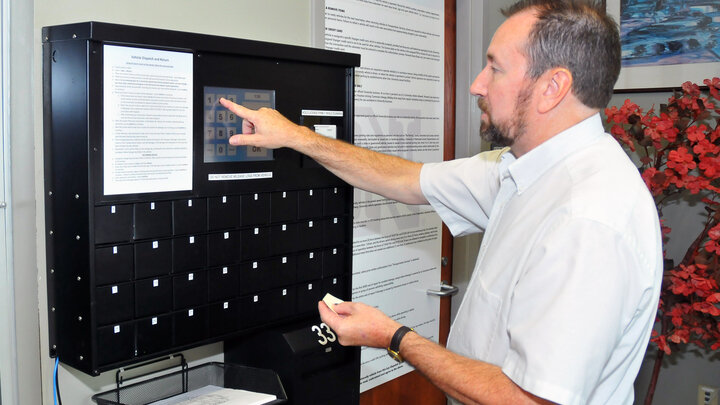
282	21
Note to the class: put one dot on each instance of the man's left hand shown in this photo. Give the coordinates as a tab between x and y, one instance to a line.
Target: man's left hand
357	324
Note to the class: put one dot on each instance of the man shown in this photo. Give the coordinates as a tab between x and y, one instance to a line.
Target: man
563	297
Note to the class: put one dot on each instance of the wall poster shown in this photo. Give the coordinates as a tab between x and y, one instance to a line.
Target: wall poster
399	97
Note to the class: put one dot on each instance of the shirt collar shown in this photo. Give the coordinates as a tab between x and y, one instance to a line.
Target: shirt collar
530	166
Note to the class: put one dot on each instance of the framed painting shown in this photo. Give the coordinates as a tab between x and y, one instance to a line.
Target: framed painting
666	42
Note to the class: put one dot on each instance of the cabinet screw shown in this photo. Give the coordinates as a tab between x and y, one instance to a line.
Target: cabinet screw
80	318
77	237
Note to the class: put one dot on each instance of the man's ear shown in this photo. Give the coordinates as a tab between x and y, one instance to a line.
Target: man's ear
556	85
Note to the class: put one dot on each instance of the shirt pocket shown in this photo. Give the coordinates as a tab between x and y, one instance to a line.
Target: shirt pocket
475	329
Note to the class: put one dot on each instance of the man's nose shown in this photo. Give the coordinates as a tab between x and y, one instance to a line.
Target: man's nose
479	85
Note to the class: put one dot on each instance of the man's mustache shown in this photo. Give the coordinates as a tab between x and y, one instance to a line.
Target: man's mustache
482	104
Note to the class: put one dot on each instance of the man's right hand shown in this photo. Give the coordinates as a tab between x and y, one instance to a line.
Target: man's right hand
265	128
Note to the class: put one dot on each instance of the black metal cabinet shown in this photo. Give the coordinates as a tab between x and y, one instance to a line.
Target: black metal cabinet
252	240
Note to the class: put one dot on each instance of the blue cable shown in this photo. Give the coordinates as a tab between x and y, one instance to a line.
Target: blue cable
57	360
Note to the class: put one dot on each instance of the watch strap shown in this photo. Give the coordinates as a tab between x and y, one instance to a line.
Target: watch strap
394	349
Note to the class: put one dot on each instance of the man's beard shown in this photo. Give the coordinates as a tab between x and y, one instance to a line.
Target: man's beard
506	133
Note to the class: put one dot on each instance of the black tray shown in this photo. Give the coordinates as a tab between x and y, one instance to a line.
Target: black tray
219	374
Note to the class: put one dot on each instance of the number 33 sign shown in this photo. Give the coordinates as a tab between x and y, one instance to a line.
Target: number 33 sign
324	333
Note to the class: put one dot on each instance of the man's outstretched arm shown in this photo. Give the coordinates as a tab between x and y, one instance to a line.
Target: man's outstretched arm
389	176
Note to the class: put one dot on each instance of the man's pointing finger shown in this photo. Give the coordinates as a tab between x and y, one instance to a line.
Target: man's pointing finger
239	110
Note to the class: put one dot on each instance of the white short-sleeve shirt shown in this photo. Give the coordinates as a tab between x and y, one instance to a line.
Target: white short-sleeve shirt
565	289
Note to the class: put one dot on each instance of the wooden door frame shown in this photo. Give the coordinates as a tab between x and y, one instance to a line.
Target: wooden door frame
414	383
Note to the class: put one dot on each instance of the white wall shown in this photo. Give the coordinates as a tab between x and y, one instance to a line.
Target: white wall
280	21
22	206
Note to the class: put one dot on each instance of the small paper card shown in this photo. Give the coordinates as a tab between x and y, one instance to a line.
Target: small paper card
331	301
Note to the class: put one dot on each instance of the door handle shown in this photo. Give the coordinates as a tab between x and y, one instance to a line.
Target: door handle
446	290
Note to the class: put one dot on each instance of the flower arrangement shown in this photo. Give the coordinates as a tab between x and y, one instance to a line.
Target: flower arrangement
678	155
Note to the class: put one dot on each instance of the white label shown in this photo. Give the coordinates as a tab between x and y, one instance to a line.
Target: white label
255	298
155	244
156	283
284	291
114	289
114	250
226	305
284	194
310	224
112	209
257	231
284	260
334	280
309	286
154	321
191	312
321	113
226	235
152	206
239	176
255	265
335	220
312	255
189	203
116	329
192	239
256	197
311	193
224	199
284	227
225	270
191	277
334	251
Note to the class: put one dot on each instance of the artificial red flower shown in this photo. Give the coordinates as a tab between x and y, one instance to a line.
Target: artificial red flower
678	154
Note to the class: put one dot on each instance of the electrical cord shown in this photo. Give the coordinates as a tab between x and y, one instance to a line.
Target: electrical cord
56	385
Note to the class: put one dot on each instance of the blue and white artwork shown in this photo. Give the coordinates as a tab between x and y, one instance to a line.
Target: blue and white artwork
669	32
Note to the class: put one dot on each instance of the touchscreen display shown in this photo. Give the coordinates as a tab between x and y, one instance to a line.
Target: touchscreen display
220	124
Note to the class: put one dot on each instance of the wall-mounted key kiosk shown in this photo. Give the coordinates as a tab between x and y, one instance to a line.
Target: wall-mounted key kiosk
160	235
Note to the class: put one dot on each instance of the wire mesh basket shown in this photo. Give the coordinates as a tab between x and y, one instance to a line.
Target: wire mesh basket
179	382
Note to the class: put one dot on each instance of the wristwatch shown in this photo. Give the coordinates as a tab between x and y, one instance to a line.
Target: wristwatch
394	349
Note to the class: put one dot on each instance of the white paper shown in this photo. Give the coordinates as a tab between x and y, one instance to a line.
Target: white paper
147	120
214	395
399	110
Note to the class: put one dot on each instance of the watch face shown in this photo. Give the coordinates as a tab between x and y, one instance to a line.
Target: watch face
395	355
